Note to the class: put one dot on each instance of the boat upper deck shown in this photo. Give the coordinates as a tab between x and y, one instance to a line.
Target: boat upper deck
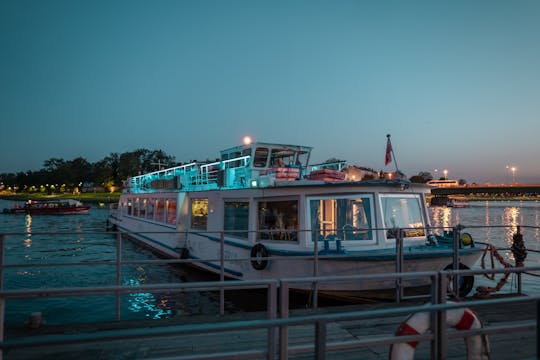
252	165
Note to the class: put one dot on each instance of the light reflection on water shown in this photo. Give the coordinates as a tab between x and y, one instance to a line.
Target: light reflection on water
496	222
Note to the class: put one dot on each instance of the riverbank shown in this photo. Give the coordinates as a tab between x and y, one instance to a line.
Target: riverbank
90	197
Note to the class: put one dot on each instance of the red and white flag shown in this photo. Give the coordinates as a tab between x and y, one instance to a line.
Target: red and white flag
388	158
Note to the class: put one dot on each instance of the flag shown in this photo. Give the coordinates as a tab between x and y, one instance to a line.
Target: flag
388	158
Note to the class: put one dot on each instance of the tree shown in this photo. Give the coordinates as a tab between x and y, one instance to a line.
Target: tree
422	177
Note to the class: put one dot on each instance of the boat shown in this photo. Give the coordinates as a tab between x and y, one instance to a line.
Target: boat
51	207
258	209
449	201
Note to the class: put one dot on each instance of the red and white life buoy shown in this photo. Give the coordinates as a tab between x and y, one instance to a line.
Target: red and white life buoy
460	319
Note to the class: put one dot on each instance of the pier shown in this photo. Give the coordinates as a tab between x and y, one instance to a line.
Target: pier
352	332
502	189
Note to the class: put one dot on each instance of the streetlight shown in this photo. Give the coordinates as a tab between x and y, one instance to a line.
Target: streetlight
513	174
445	174
507	167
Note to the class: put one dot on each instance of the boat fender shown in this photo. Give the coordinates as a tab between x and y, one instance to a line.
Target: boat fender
258	255
460	319
466	283
467	240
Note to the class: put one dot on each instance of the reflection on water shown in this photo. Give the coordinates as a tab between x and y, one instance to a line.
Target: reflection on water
510	219
441	218
28	225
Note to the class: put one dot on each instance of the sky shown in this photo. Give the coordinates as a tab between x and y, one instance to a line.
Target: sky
455	83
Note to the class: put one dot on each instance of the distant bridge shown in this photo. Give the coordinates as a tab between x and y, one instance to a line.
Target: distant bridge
513	189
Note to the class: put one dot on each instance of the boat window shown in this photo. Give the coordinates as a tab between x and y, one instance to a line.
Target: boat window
236	218
347	218
160	210
142	208
261	155
171	211
199	214
150	209
136	207
278	220
405	212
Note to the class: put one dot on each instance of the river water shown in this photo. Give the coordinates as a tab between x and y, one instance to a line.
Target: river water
31	242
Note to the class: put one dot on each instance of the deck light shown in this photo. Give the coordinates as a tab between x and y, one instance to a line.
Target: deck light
247	140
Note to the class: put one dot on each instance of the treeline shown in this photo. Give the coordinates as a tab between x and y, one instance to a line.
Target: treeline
59	175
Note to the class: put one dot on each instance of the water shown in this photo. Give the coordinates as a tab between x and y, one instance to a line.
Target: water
88	241
495	222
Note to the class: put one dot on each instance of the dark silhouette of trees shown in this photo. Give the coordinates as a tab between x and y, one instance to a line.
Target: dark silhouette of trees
422	177
71	174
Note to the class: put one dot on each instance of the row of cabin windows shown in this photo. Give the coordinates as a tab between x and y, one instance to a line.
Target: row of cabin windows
346	218
160	210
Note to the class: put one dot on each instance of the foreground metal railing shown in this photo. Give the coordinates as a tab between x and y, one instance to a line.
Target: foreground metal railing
277	321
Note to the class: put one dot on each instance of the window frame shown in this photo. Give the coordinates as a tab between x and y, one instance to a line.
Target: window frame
372	216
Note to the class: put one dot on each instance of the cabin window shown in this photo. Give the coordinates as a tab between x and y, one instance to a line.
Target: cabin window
150	209
261	155
129	207
136	207
142	208
160	210
278	220
199	214
347	218
402	211
236	218
171	211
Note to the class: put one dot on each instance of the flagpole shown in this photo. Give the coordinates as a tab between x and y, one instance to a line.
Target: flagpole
393	155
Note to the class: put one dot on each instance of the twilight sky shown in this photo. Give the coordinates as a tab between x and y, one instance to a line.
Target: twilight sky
456	83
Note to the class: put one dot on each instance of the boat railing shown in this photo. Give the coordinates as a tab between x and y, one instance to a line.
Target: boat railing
277	320
193	176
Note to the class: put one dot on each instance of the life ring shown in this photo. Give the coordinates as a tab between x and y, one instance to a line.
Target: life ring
460	319
466	282
258	255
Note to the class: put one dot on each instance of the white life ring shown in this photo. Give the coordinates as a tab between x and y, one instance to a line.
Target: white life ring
460	319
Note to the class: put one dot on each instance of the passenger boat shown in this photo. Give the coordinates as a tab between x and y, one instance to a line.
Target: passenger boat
52	207
258	209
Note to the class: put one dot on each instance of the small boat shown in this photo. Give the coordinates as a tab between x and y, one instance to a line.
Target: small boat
51	207
449	201
259	207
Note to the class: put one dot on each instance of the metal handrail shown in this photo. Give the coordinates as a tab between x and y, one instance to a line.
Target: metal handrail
437	279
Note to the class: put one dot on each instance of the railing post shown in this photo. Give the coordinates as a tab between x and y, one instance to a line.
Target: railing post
537	328
456	231
320	340
284	313
315	285
272	299
399	264
2	300
222	274
118	271
2	241
440	329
